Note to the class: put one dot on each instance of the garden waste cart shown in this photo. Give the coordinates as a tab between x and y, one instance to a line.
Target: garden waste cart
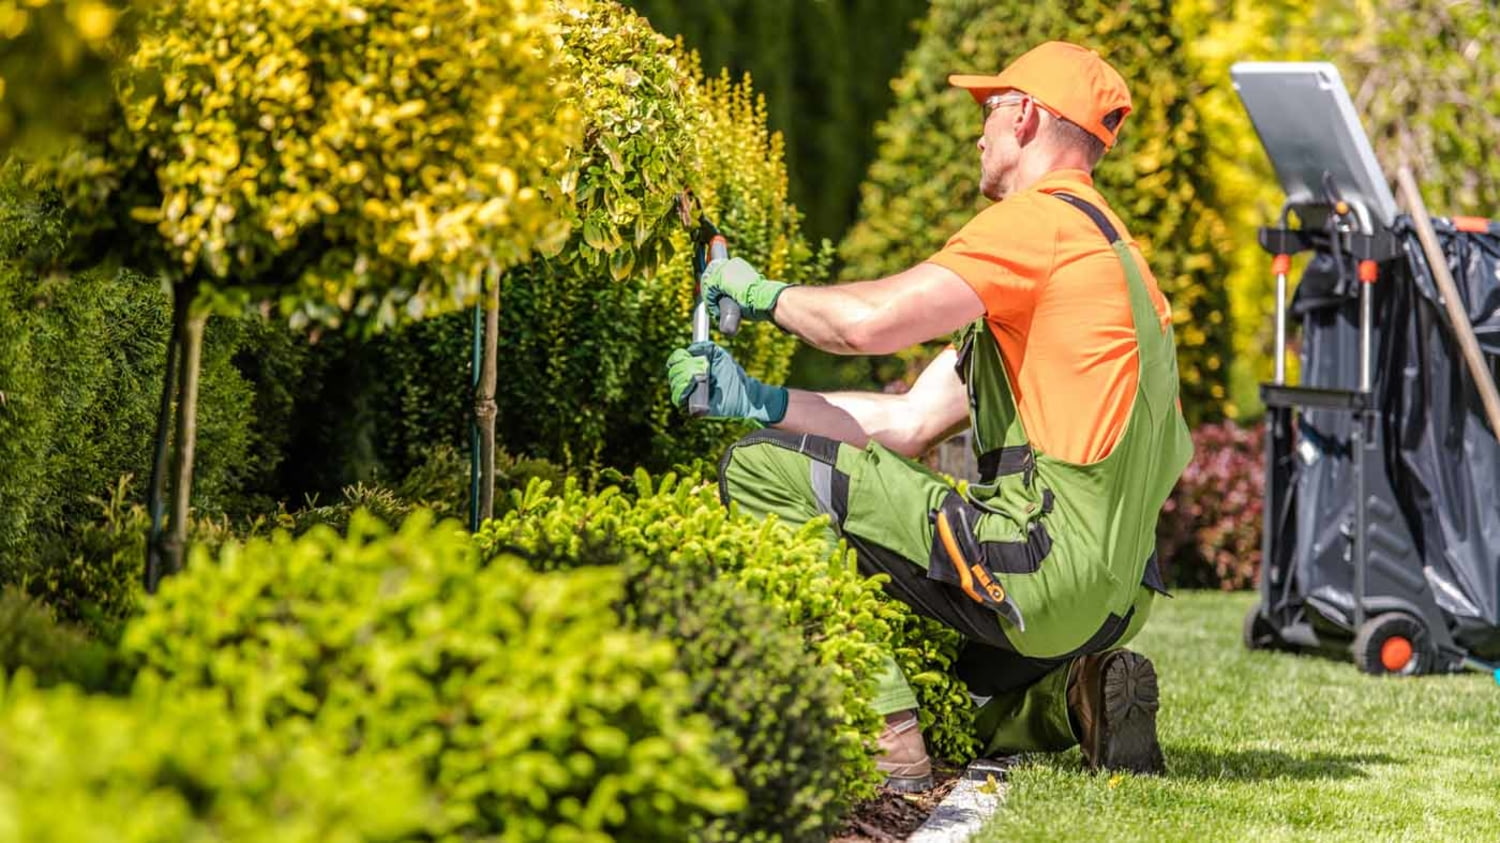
1382	495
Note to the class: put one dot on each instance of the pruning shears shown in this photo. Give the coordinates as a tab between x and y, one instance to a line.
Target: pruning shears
709	247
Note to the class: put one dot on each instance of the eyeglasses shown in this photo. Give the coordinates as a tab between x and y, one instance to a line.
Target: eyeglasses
995	101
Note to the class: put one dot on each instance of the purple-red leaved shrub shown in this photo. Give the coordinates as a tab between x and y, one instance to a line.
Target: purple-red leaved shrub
1210	528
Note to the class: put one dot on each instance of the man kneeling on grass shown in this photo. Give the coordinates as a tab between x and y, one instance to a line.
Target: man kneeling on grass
1065	372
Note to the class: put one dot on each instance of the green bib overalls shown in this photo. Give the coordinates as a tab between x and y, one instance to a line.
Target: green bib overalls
1040	561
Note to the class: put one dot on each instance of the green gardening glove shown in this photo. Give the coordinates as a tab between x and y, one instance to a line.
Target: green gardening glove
732	394
737	279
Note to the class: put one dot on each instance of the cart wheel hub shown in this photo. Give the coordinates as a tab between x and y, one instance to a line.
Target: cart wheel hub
1395	653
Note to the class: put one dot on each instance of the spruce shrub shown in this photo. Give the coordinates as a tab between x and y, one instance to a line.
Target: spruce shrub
527	708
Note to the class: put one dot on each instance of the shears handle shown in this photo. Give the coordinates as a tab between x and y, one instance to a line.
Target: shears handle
729	309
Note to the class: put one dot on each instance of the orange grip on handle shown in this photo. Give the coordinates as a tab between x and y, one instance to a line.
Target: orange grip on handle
1368	271
1281	264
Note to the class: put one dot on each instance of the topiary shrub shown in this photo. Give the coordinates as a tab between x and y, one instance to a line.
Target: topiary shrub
172	766
585	332
1209	534
780	713
526	707
923	185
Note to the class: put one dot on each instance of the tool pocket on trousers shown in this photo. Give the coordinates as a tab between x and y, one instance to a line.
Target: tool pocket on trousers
970	547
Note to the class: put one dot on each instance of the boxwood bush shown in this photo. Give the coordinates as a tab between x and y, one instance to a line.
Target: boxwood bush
843	617
782	714
172	766
527	708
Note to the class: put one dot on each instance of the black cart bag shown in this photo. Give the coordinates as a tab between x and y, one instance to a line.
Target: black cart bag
1420	592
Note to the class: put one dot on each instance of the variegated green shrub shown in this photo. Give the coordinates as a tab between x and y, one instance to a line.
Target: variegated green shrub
166	765
788	683
527	708
681	528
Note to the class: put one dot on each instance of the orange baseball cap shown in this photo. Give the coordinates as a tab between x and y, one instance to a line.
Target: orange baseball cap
1068	80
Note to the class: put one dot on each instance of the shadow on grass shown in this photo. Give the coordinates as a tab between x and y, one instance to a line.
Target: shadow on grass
1196	762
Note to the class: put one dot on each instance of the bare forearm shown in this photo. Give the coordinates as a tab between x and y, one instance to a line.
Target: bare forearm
879	317
828	318
854	418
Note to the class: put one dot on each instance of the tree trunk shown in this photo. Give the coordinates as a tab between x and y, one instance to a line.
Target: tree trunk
485	409
156	494
191	343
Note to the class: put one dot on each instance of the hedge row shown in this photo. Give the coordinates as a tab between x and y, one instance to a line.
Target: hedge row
679	525
638	663
524	705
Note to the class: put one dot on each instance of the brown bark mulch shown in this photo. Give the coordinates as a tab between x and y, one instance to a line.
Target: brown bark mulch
891	817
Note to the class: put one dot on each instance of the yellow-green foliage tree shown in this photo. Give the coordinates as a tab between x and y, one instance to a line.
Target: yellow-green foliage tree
1421	75
924	184
55	62
368	161
586	332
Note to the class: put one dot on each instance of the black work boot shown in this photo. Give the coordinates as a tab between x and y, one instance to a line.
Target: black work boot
1112	702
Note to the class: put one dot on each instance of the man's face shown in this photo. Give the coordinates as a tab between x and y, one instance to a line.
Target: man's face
999	151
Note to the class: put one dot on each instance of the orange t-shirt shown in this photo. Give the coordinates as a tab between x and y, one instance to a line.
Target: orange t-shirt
1055	297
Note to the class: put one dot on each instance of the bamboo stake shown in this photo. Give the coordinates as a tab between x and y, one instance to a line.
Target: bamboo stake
1412	198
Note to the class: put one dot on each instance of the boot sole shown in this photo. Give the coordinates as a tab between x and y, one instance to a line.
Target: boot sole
1128	731
909	784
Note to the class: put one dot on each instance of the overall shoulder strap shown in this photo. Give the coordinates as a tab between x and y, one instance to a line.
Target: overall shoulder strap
1105	226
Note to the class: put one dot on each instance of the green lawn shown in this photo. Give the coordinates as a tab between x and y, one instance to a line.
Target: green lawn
1271	746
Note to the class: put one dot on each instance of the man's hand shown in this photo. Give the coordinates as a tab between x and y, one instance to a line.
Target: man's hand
732	394
742	282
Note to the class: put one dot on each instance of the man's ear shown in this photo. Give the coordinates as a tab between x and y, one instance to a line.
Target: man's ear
1028	121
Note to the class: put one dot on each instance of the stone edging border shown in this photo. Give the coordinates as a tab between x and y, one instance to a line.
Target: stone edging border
972	801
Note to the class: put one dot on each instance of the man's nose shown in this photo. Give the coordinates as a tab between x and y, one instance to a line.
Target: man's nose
980	143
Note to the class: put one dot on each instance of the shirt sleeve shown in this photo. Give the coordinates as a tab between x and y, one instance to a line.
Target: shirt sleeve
1006	255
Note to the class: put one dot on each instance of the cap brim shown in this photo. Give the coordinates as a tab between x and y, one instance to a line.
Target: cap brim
978	86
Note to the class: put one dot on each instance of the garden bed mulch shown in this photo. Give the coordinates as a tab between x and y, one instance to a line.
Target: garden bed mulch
891	817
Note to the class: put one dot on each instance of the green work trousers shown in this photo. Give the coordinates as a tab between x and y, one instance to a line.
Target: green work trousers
876	501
